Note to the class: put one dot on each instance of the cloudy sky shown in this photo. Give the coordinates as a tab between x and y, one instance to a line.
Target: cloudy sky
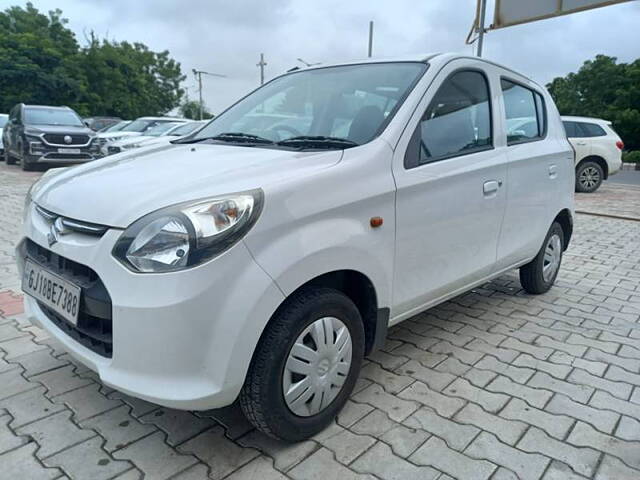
227	37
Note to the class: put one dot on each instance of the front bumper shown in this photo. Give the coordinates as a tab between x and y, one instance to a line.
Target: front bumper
183	339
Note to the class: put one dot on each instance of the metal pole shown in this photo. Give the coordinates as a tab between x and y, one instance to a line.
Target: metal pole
370	38
483	11
200	93
261	64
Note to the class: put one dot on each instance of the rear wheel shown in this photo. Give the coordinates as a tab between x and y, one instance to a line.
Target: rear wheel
589	176
539	275
305	365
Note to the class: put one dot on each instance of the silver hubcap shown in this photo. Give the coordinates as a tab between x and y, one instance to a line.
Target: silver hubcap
589	177
552	256
317	366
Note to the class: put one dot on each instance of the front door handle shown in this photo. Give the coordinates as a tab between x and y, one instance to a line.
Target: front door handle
491	187
553	171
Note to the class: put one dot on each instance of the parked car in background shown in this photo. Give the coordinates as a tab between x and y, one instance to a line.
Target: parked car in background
153	132
598	150
156	136
135	128
3	120
264	266
115	127
98	123
39	135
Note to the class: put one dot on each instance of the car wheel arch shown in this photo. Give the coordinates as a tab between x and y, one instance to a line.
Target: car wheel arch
597	159
565	219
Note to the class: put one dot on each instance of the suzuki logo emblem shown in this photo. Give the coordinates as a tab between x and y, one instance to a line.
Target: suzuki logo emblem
67	139
57	228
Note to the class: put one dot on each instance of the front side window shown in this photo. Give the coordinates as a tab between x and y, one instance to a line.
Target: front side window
351	102
456	122
3	120
51	116
592	130
526	117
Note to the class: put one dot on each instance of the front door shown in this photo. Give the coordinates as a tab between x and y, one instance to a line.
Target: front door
450	189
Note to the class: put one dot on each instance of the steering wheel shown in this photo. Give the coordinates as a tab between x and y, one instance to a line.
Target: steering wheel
285	128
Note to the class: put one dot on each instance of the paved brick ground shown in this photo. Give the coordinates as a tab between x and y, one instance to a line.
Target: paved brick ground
495	385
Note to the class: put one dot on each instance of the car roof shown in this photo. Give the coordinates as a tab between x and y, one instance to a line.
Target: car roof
64	107
169	119
571	118
420	58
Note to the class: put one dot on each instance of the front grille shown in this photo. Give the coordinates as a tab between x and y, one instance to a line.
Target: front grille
94	328
69	224
58	139
67	156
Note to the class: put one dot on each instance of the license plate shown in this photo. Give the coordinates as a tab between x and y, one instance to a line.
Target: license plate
68	150
52	290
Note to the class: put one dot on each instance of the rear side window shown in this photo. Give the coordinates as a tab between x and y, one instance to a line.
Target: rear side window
526	114
592	130
573	130
456	122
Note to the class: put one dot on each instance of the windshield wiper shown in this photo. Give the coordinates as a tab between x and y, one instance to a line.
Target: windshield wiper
234	137
318	141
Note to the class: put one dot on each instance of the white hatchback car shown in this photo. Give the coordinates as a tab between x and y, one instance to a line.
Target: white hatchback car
263	260
598	150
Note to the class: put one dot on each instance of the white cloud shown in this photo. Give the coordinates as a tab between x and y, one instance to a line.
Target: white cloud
228	36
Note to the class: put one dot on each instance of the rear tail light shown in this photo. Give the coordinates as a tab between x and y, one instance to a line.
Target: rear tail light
620	144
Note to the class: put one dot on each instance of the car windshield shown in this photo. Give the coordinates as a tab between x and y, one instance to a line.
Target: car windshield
3	120
115	128
160	129
186	129
139	125
51	116
342	106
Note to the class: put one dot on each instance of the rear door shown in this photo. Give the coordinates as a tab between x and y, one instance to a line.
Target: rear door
535	163
450	173
578	138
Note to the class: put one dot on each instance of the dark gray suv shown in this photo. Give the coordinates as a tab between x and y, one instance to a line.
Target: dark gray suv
39	135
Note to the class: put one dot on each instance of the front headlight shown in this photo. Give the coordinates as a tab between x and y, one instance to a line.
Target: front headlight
187	234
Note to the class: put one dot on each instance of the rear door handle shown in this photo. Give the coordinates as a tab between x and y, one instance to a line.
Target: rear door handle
553	171
490	187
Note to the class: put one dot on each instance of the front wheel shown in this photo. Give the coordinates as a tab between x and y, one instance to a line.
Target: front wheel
589	176
8	158
539	275
305	365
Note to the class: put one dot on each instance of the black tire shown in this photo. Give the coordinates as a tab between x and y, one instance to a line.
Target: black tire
28	166
262	397
8	158
589	177
532	275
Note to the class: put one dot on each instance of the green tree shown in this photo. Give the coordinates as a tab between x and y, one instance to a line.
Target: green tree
41	62
130	80
38	59
606	89
191	109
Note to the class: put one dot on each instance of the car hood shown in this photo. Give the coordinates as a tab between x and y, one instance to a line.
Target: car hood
110	135
119	189
60	129
131	140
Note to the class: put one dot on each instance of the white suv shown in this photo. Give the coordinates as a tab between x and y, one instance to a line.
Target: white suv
598	150
265	255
